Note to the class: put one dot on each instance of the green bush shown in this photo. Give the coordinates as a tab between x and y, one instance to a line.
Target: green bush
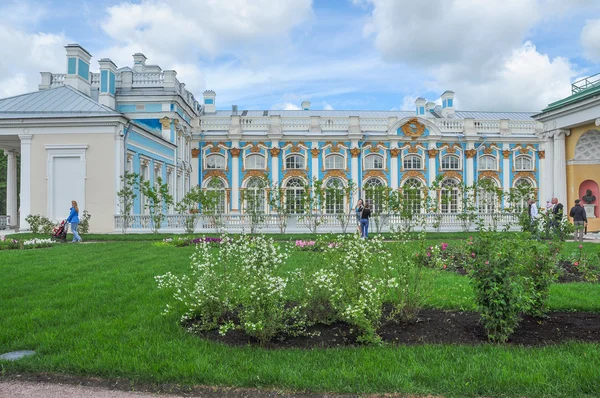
39	224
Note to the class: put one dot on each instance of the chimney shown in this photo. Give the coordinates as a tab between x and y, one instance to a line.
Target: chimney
305	105
448	103
139	62
209	101
234	110
420	106
108	71
78	68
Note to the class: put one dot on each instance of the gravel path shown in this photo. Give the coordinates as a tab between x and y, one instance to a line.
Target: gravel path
13	389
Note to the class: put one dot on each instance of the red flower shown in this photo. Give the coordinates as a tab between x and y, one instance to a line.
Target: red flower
473	255
487	263
444	266
576	263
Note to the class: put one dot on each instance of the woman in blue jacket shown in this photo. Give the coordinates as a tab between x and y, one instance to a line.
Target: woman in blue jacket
74	220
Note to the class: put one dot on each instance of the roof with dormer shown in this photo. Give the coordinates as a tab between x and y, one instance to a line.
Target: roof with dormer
63	101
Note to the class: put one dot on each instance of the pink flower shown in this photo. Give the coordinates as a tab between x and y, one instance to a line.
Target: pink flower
444	246
581	246
428	254
473	255
444	266
576	263
487	263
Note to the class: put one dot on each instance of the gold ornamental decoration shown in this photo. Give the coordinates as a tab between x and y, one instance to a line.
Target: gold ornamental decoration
355	152
432	153
215	149
450	150
335	173
453	174
235	152
315	152
470	153
506	154
214	173
413	128
295	173
413	174
413	149
489	174
195	153
374	173
176	122
487	150
274	151
542	154
295	149
394	152
254	173
524	150
166	123
525	174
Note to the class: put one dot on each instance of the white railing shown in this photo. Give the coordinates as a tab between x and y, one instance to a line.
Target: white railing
148	79
487	126
255	123
4	222
57	79
328	222
449	125
522	127
95	79
374	124
215	123
335	123
295	123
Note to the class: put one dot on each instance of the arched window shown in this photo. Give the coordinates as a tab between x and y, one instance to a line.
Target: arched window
412	162
294	195
255	195
450	162
487	162
374	193
374	162
449	196
412	192
216	191
294	162
334	196
523	163
334	162
487	196
255	162
215	161
522	193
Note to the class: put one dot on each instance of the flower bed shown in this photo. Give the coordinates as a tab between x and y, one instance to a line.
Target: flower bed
9	244
38	243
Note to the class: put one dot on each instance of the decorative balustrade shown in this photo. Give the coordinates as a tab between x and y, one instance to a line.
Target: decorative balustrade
57	79
295	123
522	127
215	123
487	126
255	123
335	123
328	222
374	124
148	79
95	79
449	125
4	222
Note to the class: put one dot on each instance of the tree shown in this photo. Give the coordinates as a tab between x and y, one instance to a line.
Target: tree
188	208
212	201
278	204
158	200
126	197
254	202
313	200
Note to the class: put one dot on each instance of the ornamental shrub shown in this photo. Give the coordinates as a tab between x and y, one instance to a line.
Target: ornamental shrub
39	224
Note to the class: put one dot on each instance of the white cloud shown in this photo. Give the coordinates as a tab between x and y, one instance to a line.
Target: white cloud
327	107
590	40
286	106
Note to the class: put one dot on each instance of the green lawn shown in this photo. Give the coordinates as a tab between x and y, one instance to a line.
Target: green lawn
95	310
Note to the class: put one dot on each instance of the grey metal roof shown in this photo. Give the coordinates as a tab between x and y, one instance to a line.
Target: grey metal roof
63	101
519	116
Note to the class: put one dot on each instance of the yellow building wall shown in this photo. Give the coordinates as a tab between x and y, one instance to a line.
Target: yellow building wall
576	174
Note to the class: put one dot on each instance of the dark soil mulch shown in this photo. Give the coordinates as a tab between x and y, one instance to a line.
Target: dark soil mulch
571	273
439	327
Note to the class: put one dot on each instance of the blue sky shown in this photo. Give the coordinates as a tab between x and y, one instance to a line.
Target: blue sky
505	55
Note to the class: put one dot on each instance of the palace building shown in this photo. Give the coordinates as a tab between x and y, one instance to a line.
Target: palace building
78	134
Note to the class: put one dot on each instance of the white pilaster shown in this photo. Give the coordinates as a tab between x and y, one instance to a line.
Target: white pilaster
431	171
354	167
235	181
560	166
506	171
119	167
470	167
275	164
394	168
11	187
25	196
315	162
548	181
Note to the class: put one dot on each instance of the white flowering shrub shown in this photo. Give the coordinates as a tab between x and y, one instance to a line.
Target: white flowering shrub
37	243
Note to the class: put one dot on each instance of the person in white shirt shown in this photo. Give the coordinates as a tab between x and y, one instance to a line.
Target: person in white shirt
533	210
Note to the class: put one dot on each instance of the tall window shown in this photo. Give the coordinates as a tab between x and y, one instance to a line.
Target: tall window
157	173
487	162
374	162
255	196
374	193
256	162
170	184
523	162
294	195
215	161
334	196
523	192
412	162
144	176
487	197
450	162
294	162
449	196
334	162
217	186
412	192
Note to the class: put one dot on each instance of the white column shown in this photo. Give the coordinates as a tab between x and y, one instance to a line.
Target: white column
394	167
315	161
235	180
431	168
560	166
354	166
548	181
470	168
506	171
25	196
119	168
11	187
275	162
543	176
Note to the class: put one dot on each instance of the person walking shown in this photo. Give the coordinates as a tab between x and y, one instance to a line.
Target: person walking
579	219
364	222
358	209
533	215
74	220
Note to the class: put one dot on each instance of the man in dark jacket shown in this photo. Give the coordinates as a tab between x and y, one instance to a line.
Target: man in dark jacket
579	219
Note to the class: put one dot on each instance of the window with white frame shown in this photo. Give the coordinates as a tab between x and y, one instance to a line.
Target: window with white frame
374	193
487	196
412	162
215	161
294	162
170	184
450	162
144	176
523	163
412	195
334	162
157	173
522	193
334	196
294	195
255	162
487	162
374	162
255	195
449	196
216	190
